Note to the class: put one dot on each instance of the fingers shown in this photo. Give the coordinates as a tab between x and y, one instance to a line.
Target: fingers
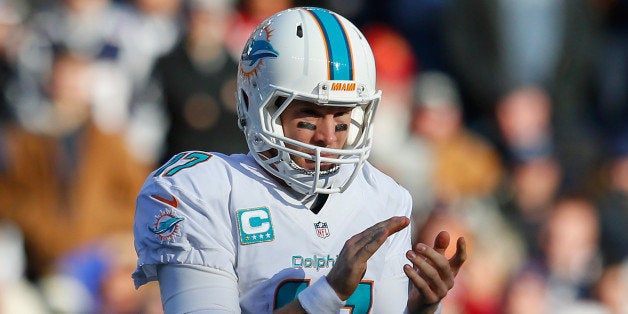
441	242
370	243
430	261
460	256
433	275
394	224
454	263
381	229
370	240
426	279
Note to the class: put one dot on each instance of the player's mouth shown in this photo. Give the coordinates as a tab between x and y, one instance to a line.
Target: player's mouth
324	165
310	165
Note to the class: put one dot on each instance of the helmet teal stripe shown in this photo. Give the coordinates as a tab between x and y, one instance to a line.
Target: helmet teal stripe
340	61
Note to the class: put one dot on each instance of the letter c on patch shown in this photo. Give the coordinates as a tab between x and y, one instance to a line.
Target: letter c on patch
255	221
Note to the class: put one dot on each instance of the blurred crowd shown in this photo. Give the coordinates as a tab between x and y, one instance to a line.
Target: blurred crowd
507	120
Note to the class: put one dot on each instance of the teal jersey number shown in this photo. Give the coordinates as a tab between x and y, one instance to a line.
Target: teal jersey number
361	300
358	303
288	291
193	159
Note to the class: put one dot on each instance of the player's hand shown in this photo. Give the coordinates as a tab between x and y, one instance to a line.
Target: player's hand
432	274
350	265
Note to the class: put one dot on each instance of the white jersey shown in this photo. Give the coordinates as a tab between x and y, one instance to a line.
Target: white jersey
227	213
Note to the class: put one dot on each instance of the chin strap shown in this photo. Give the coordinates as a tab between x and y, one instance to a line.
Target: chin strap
319	202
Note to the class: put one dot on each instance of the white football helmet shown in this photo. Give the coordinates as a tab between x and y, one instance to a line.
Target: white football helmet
315	55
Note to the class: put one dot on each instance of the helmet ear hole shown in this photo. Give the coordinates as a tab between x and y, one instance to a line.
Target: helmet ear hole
245	98
243	108
300	31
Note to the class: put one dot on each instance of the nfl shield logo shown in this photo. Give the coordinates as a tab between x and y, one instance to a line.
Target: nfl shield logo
321	229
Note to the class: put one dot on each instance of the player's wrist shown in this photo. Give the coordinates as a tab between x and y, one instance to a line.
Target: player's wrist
320	297
434	308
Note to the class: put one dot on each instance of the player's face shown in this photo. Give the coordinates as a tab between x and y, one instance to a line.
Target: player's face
323	126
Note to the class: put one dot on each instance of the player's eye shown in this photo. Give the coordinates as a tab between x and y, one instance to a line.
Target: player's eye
306	125
342	127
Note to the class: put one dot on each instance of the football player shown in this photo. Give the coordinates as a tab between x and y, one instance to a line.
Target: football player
303	223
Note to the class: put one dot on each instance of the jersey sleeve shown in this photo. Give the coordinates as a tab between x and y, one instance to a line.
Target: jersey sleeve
184	219
195	289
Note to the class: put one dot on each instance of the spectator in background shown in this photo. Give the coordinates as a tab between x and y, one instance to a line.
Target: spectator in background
121	41
191	86
67	180
570	243
527	195
443	162
495	47
569	264
524	124
613	202
92	28
465	164
534	174
47	153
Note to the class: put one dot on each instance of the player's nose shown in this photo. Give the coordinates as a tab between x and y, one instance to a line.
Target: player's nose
325	134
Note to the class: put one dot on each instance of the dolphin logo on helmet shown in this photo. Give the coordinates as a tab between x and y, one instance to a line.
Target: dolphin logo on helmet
257	50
